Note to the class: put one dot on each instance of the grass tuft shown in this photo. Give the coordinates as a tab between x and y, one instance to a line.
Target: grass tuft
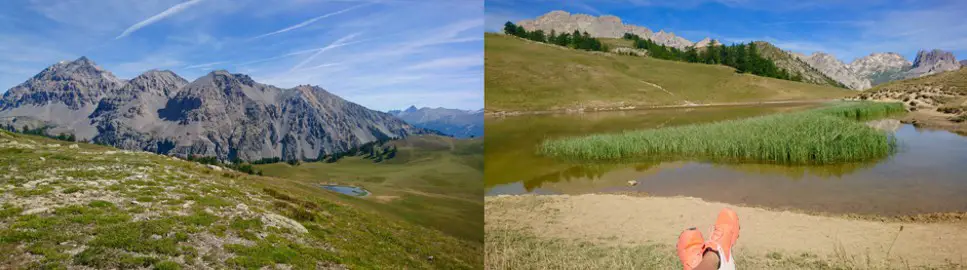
827	135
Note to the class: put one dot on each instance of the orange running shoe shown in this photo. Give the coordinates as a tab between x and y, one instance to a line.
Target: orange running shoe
691	246
724	235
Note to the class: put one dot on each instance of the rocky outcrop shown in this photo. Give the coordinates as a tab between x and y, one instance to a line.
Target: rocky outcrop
880	67
837	70
452	122
606	26
705	42
220	114
932	62
793	62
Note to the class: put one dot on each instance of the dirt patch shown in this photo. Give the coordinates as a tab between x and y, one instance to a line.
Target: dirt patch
634	221
931	119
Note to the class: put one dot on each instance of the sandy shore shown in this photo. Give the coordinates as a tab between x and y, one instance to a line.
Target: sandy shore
628	221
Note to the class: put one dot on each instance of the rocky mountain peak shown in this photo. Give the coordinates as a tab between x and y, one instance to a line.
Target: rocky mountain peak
220	114
935	56
932	62
705	42
411	109
833	68
880	67
605	26
75	84
80	69
161	82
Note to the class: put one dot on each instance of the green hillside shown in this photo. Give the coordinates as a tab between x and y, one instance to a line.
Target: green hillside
66	205
528	76
794	65
433	181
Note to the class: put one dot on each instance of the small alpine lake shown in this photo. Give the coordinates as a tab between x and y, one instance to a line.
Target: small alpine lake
348	190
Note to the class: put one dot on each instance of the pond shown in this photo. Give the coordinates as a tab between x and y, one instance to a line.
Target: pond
926	175
348	190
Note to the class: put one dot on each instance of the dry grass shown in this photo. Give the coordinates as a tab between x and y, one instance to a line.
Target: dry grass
526	76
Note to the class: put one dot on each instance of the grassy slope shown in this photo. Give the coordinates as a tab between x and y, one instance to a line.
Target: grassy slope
64	206
617	43
527	76
433	181
946	88
794	65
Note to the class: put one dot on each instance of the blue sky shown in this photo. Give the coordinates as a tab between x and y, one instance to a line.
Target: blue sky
385	54
847	29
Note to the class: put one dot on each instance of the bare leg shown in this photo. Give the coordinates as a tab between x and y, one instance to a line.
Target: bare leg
710	261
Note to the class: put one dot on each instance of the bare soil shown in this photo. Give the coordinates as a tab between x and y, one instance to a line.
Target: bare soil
620	220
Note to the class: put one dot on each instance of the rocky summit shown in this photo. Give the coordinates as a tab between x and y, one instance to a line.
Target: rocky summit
220	114
932	62
880	67
606	26
837	70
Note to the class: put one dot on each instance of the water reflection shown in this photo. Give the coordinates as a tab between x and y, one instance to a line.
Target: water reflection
925	175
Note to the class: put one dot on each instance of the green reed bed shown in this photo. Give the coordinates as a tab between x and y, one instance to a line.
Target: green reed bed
821	136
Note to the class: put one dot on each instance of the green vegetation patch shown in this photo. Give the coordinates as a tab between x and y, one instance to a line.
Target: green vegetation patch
822	136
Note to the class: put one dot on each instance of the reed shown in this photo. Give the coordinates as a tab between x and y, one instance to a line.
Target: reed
826	135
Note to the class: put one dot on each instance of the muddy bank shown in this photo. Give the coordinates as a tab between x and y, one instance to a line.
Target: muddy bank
631	221
935	120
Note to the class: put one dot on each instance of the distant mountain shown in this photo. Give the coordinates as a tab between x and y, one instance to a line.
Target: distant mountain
880	67
794	64
220	114
606	26
837	70
932	62
963	63
453	122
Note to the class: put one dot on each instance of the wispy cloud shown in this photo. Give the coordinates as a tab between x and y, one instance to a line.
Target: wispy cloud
418	52
206	65
157	17
460	62
335	44
309	21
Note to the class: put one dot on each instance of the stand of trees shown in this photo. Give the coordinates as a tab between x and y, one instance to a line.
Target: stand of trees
743	57
376	150
41	131
575	40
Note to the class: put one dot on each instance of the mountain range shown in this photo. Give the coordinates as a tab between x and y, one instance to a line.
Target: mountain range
453	122
220	114
819	67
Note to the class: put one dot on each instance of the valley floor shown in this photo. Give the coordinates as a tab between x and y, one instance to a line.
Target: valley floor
620	231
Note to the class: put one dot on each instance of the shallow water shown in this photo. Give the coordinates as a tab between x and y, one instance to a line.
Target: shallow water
348	190
928	174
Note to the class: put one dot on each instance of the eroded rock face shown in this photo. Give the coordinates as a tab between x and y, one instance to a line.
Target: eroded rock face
837	70
220	114
606	26
932	62
76	84
880	67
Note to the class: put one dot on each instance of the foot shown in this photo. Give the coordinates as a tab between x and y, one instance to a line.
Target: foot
690	246
724	235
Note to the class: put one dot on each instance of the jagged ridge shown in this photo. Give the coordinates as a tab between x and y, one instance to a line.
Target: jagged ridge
220	114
